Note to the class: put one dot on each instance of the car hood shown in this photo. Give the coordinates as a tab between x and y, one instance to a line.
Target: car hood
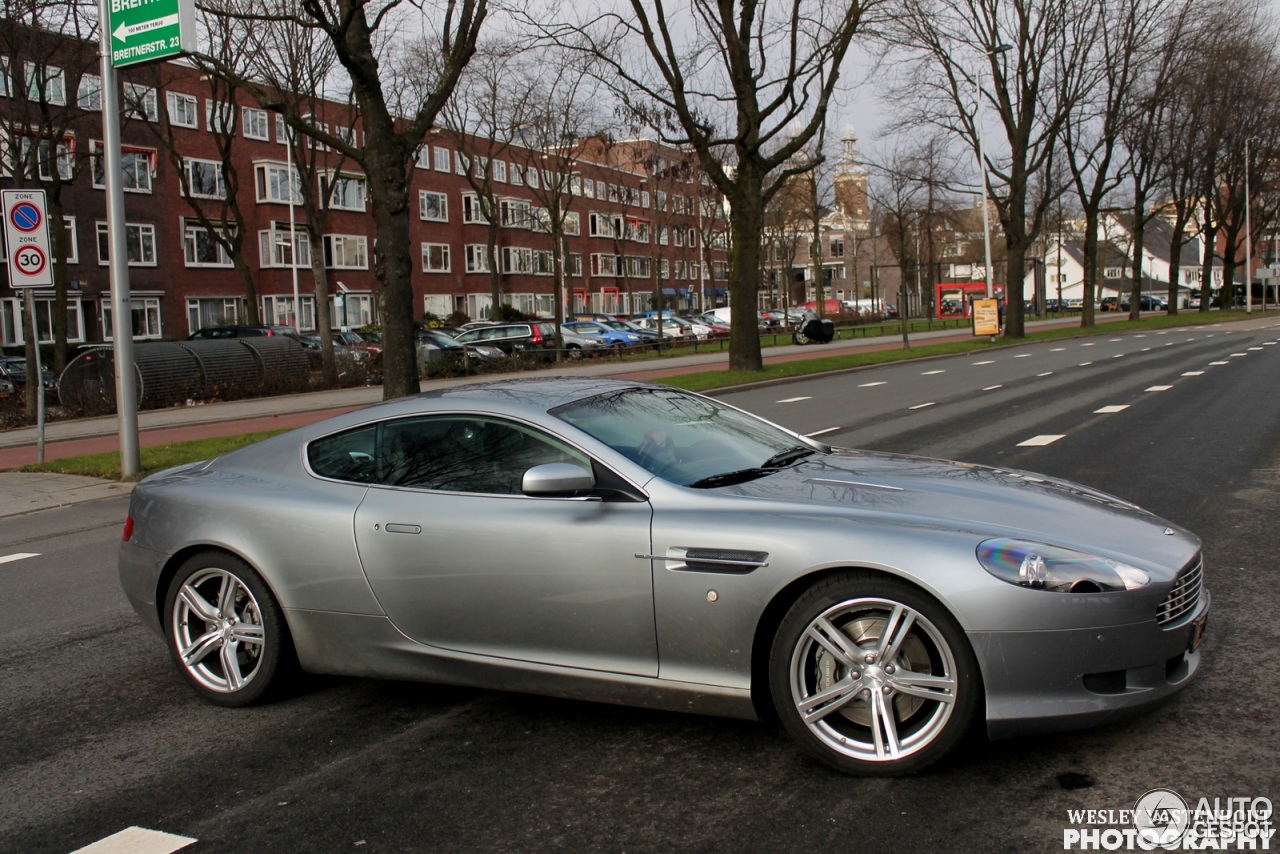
989	502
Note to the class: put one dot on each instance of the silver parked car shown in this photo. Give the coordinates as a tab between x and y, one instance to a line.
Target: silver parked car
630	543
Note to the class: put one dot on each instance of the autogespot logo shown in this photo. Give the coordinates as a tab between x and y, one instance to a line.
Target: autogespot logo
1161	818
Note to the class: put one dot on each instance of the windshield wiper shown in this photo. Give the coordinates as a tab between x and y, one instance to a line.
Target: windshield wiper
790	455
728	478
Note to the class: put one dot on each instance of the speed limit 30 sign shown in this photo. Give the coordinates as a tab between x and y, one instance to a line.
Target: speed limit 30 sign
26	237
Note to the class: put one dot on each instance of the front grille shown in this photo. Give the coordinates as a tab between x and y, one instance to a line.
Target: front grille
1184	596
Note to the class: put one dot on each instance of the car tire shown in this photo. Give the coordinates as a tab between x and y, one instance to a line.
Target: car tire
226	631
864	704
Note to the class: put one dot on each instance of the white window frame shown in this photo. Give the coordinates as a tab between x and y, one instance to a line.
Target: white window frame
136	168
332	183
47	81
517	260
192	231
184	109
146	307
139	236
472	212
63	156
477	258
140	102
438	252
442	158
267	183
219	179
255	124
89	92
273	242
219	116
515	213
426	209
346	252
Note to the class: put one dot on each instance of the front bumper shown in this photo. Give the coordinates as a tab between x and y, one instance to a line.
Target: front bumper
1071	679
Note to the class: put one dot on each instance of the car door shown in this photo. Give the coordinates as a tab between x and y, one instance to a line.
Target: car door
462	560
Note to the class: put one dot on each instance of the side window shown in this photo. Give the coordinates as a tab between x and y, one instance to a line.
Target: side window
464	454
345	456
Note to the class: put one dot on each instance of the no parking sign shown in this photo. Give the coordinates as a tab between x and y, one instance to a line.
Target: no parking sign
26	236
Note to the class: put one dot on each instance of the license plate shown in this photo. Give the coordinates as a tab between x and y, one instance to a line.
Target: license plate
1197	632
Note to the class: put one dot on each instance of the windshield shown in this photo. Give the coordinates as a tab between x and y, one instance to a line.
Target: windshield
681	437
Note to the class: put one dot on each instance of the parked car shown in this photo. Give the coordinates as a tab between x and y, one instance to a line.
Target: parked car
577	346
647	336
310	342
13	369
357	341
619	338
640	544
241	331
666	325
1109	304
696	331
719	329
6	388
527	337
1146	302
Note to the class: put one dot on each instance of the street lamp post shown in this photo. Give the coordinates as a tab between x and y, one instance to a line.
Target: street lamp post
290	136
1248	238
982	166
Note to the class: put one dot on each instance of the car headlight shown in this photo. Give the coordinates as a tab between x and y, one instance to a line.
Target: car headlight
1044	567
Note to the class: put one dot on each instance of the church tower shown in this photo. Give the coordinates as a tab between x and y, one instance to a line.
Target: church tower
851	185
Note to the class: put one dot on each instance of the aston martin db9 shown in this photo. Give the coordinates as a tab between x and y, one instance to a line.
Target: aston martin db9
630	543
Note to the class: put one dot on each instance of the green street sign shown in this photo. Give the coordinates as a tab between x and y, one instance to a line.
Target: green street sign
150	30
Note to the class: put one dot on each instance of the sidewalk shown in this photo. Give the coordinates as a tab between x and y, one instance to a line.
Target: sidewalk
25	492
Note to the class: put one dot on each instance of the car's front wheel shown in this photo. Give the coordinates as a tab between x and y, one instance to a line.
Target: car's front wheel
872	675
225	630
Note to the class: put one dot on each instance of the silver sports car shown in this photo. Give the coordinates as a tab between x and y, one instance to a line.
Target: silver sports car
631	543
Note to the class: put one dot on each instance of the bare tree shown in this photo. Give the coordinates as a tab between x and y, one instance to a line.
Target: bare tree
745	85
398	104
1022	61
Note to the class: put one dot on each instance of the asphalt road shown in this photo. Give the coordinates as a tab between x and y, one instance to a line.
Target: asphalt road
101	735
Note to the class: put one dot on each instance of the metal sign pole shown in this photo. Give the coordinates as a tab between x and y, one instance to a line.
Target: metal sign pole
37	381
121	300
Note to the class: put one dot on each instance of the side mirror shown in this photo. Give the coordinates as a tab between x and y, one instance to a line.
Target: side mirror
557	479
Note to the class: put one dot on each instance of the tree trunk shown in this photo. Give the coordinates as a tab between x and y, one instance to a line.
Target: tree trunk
746	226
324	323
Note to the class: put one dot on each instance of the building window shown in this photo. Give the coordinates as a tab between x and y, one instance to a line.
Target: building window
573	223
544	263
515	213
219	116
255	124
433	206
516	259
435	257
135	168
837	247
604	265
204	179
275	249
4	76
477	258
442	158
200	248
46	84
531	178
423	159
517	174
274	184
471	210
182	110
47	158
345	192
140	244
141	102
144	318
346	251
500	171
89	94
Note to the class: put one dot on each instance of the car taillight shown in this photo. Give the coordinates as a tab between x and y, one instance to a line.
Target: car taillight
537	335
127	534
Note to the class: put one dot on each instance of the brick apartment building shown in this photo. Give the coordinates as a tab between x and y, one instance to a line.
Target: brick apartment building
641	224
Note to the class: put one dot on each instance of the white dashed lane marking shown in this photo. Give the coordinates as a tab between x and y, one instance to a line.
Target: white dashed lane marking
137	840
1040	441
794	399
1193	373
869	385
18	556
931	373
1159	388
1219	363
1107	410
987	362
992	387
922	405
1045	374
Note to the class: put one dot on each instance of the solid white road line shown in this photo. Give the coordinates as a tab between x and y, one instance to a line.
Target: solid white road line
137	840
1040	441
1107	410
18	556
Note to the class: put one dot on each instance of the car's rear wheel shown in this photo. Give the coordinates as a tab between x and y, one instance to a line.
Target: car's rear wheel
226	631
872	676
